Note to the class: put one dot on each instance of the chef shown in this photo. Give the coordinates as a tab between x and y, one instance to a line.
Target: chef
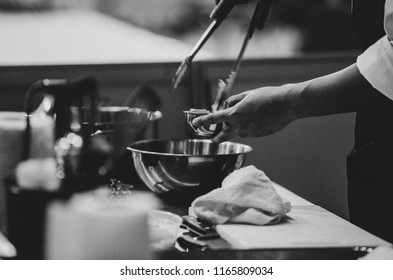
365	87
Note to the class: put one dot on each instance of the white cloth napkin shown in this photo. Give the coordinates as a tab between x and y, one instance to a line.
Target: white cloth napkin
247	196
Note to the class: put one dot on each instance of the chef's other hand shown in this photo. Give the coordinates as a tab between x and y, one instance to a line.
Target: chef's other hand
258	112
223	7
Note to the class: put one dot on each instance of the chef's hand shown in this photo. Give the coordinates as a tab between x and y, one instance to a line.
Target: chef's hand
258	112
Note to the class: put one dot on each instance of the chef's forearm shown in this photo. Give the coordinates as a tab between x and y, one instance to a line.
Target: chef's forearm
340	92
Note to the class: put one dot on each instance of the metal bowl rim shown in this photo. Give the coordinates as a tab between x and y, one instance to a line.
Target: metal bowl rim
247	147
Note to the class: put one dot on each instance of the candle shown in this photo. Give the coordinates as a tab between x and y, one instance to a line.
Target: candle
89	226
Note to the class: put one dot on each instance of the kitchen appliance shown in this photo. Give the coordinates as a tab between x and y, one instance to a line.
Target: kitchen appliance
121	119
122	125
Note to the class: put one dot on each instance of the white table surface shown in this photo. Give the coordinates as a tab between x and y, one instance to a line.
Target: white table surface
307	226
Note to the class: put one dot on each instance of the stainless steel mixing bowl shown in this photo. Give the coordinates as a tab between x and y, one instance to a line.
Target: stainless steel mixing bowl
181	170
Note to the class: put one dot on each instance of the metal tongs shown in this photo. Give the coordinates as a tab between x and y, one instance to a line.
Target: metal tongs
220	12
258	20
224	87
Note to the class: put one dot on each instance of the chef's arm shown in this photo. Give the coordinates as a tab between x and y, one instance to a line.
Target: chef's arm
266	110
340	92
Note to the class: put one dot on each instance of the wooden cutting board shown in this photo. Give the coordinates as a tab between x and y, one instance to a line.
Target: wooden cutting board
306	226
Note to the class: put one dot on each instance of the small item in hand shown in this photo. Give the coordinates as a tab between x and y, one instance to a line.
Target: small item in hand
247	196
201	131
197	112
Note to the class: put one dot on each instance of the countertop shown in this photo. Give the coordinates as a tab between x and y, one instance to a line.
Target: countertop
310	232
331	226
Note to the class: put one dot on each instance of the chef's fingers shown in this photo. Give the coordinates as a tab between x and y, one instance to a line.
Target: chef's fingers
234	99
226	134
213	118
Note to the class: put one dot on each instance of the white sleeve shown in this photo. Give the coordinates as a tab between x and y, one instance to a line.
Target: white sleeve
376	63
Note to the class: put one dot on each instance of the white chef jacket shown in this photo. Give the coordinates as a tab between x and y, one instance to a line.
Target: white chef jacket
376	63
